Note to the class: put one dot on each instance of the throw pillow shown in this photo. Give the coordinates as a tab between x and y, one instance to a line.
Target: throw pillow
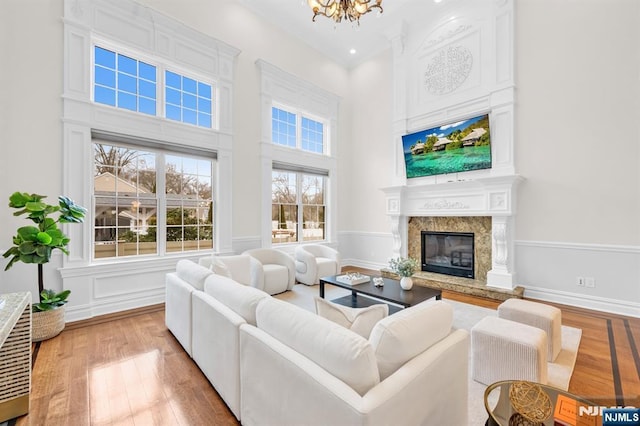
218	267
405	334
358	320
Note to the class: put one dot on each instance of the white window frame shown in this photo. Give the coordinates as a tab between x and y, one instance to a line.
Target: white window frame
104	287
299	113
161	151
300	204
288	92
161	65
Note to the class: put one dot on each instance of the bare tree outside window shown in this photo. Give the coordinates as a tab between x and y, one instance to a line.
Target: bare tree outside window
127	197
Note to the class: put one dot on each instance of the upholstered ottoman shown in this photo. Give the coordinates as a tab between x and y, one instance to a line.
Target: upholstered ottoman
545	317
507	350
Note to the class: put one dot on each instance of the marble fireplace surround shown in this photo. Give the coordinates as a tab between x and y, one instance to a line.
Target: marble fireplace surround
475	203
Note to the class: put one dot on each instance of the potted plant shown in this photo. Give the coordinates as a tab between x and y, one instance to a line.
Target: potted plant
405	267
34	244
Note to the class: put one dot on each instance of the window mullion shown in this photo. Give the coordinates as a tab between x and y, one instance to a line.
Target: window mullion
300	206
161	192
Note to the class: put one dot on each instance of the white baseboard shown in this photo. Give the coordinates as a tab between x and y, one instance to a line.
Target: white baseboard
549	271
615	306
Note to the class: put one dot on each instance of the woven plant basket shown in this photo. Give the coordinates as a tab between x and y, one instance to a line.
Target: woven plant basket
47	324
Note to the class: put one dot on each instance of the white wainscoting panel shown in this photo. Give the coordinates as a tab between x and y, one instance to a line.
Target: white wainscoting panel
371	250
549	271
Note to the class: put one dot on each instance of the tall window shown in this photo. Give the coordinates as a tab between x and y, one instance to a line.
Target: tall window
131	185
298	207
125	82
296	130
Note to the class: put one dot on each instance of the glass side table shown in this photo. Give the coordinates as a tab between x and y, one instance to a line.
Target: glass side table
566	409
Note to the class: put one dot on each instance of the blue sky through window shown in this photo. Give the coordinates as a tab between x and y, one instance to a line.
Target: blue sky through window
124	82
188	100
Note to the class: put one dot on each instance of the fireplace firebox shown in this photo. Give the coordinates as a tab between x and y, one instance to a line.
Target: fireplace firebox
450	253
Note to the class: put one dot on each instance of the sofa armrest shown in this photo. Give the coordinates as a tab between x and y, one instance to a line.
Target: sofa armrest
177	309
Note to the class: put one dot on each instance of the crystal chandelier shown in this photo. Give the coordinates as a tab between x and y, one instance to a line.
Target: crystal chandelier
338	10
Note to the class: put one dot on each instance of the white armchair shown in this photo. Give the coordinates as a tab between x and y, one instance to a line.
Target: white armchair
278	268
314	261
242	268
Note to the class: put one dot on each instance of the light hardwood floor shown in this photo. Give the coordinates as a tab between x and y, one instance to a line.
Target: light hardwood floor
128	369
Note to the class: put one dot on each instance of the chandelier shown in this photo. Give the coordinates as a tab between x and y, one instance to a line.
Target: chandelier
338	10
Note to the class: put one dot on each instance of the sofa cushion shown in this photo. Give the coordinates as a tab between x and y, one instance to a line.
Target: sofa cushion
241	299
192	273
401	336
358	320
342	353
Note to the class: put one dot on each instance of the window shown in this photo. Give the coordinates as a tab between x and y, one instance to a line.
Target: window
187	100
125	82
284	131
298	206
131	185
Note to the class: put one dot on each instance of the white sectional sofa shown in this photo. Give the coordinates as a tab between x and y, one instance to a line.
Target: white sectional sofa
275	363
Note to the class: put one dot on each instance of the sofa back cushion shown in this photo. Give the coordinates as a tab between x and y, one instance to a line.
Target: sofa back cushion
241	299
192	273
405	334
358	320
340	352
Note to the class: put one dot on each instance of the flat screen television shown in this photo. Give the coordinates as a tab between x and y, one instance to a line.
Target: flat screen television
454	147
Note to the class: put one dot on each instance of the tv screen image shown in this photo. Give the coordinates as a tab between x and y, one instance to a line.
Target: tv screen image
455	147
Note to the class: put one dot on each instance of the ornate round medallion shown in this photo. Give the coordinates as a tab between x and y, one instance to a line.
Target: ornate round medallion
448	70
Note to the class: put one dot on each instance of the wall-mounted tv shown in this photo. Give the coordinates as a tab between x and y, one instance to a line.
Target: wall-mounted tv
455	147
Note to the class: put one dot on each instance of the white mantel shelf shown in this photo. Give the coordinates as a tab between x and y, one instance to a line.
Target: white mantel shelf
493	196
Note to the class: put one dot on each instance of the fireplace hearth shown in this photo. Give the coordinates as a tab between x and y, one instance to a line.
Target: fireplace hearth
449	253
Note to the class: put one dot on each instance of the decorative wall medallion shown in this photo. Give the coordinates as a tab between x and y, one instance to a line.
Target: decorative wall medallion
443	204
448	70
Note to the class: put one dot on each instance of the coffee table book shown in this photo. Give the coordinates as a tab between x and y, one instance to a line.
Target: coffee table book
346	279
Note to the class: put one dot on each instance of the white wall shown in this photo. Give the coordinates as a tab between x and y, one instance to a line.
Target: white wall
578	140
578	147
30	126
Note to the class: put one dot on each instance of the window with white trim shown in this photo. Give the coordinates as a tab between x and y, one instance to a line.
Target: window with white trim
297	130
125	81
150	201
298	206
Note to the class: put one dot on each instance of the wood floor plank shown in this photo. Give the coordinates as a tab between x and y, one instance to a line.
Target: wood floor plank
130	370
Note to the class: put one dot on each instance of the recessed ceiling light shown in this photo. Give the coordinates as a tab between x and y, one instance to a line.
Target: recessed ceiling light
352	51
437	1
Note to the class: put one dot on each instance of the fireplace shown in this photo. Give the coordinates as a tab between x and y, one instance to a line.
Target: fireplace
450	253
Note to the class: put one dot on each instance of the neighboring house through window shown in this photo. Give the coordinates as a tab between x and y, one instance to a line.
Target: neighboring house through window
149	202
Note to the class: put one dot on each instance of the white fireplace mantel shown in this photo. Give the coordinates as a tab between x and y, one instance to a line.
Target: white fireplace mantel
493	196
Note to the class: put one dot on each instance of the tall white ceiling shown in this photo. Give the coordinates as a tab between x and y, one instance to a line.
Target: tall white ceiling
335	41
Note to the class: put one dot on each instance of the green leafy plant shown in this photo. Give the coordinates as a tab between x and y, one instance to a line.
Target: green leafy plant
34	244
403	266
49	299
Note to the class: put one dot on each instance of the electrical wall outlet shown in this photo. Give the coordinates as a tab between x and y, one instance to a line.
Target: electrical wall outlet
590	282
580	281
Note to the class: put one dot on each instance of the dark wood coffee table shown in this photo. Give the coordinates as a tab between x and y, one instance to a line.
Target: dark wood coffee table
390	292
